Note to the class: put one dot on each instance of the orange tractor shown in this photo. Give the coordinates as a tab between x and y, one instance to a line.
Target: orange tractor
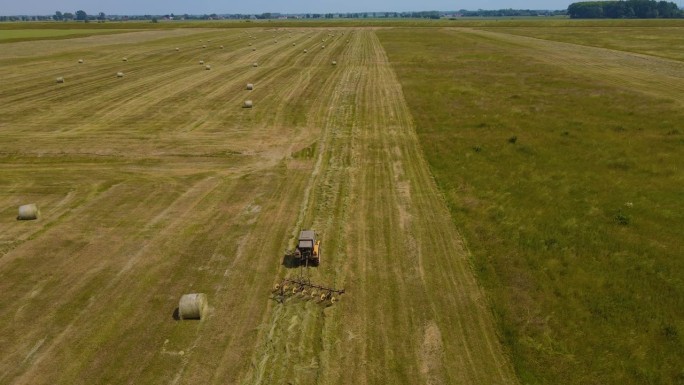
308	250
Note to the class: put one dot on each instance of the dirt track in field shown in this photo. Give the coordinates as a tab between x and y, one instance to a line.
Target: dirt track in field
159	184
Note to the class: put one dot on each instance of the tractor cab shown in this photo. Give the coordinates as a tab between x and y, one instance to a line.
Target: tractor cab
308	247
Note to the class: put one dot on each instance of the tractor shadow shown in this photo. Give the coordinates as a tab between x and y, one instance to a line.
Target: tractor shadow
291	262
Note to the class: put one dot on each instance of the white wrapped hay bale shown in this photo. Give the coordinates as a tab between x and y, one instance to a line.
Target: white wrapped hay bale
60	80
192	306
250	86
247	104
28	212
119	74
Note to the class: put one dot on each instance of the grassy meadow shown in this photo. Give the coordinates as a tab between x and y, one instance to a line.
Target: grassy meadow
568	189
664	41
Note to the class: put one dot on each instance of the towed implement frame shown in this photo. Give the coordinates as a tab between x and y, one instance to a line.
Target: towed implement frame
304	288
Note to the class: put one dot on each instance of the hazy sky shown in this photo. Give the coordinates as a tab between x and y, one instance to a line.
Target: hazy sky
160	7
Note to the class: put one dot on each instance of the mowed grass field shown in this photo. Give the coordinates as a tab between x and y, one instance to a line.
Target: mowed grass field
559	152
11	35
158	183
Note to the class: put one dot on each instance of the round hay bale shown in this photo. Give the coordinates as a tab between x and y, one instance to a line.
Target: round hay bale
253	49
322	46
192	306
28	212
250	86
125	59
204	46
207	67
334	63
250	44
201	62
247	104
60	80
80	61
177	49
221	47
255	64
306	50
119	74
276	41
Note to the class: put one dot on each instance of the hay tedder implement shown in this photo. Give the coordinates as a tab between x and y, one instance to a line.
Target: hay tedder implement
306	254
304	289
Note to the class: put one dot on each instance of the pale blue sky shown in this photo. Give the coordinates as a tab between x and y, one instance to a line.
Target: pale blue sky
140	7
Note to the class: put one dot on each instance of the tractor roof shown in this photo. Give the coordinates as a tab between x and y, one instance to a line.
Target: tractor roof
307	234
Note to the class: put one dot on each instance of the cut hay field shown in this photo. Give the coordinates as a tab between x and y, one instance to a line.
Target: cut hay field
12	35
559	152
158	183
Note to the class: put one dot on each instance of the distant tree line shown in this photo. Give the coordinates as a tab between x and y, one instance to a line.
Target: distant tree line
642	9
101	17
510	13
